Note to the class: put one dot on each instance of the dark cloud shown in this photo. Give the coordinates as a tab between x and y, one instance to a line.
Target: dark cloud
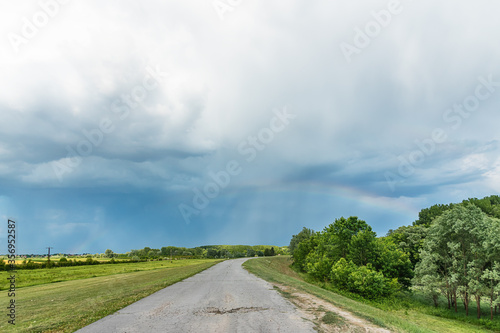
203	87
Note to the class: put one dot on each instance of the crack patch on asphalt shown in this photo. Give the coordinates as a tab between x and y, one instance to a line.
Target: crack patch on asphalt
217	311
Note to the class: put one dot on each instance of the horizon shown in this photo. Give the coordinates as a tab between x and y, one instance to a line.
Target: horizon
176	124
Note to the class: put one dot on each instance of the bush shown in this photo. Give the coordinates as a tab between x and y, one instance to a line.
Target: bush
362	280
340	273
319	266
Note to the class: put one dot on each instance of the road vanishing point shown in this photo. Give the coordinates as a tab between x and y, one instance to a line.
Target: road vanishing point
223	298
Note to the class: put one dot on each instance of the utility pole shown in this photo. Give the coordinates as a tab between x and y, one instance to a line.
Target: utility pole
48	255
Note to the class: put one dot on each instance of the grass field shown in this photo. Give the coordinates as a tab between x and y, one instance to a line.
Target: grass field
277	270
55	259
72	304
33	277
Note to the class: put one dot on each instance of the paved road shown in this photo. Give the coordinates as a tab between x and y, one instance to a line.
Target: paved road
223	298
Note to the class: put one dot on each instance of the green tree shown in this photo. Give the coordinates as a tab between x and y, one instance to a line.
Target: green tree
212	253
108	253
339	235
454	251
427	215
409	239
362	247
393	262
491	275
302	250
303	235
489	205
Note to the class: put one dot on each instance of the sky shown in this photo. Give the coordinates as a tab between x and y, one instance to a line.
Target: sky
126	124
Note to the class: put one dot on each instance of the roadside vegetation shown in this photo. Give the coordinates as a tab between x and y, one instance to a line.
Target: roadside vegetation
447	264
71	304
396	314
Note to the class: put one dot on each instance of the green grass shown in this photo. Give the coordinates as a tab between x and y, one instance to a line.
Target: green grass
331	318
33	277
72	304
277	269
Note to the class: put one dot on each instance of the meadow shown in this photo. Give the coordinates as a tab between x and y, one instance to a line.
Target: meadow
33	277
68	298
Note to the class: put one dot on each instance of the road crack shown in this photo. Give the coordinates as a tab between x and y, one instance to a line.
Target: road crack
217	311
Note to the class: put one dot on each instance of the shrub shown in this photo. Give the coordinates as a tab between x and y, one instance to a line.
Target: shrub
362	280
340	273
318	265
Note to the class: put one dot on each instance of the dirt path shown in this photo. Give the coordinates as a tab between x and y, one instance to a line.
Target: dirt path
224	298
328	317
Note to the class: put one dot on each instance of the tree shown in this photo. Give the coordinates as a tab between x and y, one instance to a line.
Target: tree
361	249
409	239
108	253
427	215
489	205
340	232
305	234
167	250
454	251
393	262
250	253
302	250
212	253
491	275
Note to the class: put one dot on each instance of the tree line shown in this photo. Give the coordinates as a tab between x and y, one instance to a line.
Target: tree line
166	252
208	251
451	251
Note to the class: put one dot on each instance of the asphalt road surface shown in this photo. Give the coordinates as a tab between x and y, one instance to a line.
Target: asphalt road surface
223	298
